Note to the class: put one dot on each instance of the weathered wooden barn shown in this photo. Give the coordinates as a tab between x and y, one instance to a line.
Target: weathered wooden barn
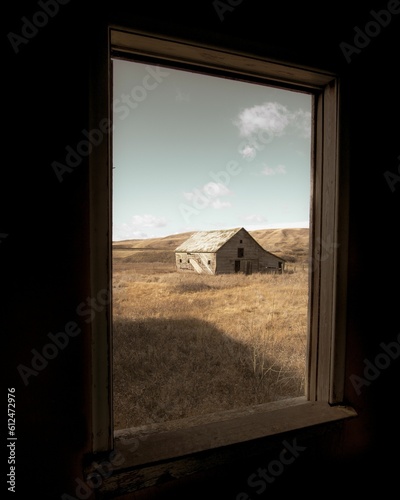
225	252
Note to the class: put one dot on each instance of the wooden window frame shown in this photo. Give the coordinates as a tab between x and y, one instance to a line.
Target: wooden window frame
154	453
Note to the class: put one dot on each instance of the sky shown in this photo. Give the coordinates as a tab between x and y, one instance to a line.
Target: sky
194	152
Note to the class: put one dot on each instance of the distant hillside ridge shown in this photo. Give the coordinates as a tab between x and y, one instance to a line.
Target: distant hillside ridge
291	244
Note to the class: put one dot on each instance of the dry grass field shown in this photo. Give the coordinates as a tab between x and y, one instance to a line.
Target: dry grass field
190	345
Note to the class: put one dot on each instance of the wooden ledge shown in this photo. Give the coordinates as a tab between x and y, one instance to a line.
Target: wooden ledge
145	456
149	444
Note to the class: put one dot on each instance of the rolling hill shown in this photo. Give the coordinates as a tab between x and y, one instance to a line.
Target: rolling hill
291	244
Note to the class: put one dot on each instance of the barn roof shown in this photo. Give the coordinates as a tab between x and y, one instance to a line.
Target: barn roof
207	241
211	241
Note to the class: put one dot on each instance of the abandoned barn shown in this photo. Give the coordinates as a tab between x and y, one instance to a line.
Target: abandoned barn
225	252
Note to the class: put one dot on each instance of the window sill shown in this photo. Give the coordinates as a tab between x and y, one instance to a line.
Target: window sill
143	456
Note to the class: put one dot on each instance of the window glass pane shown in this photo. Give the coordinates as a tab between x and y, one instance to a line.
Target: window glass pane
212	327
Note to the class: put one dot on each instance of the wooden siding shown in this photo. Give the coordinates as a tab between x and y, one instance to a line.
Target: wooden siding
253	258
196	262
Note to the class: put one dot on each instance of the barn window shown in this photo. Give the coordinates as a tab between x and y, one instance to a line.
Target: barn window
147	459
240	252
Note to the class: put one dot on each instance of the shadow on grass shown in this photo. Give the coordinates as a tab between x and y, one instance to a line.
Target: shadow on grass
172	369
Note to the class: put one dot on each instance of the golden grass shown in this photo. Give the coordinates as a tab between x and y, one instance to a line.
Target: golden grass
188	345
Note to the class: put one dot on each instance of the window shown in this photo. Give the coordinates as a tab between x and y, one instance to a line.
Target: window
240	252
328	236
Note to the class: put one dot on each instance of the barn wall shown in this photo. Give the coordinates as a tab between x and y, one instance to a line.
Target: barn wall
228	253
269	262
253	254
194	262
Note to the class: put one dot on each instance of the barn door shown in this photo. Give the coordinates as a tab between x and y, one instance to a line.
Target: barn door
237	266
249	267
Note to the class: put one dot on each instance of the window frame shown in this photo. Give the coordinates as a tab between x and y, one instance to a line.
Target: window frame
323	402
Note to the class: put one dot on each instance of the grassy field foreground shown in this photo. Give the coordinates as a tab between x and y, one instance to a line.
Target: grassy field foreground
190	345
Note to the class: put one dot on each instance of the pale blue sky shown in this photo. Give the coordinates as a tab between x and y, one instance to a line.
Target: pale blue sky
194	152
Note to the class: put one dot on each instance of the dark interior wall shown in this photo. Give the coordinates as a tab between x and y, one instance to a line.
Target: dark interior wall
44	247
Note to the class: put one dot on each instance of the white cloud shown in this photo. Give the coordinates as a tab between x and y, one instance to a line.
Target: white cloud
214	189
209	196
260	124
255	219
248	152
271	117
147	220
217	204
278	170
137	227
302	123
